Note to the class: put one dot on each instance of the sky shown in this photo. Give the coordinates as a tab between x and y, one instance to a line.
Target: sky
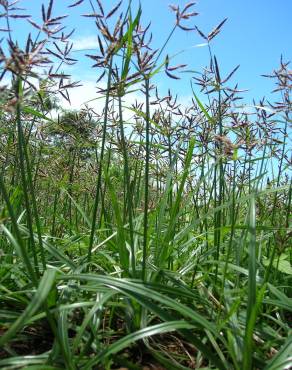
255	35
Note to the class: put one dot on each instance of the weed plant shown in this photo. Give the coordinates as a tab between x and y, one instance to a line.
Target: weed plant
146	234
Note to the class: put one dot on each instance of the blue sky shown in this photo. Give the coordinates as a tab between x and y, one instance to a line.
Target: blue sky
256	34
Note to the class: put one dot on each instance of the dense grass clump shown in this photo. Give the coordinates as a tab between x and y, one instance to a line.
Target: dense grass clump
147	235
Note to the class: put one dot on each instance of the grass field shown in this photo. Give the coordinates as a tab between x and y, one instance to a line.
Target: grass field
147	235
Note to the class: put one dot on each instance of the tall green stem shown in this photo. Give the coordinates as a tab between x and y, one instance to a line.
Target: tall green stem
146	190
98	185
127	176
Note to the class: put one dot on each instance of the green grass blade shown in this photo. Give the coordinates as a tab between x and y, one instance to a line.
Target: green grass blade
138	335
283	359
38	299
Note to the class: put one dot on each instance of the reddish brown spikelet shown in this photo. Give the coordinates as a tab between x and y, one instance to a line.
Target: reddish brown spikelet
184	28
4	3
100	45
216	30
35	25
189	15
201	33
188	6
177	67
231	74
44	14
19	16
112	12
100	7
76	3
171	75
173	7
50	7
100	77
217	73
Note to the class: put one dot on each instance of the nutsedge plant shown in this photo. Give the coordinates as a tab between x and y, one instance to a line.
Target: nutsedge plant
148	234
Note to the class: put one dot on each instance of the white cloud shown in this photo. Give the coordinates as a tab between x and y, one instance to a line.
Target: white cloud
84	43
79	96
87	95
